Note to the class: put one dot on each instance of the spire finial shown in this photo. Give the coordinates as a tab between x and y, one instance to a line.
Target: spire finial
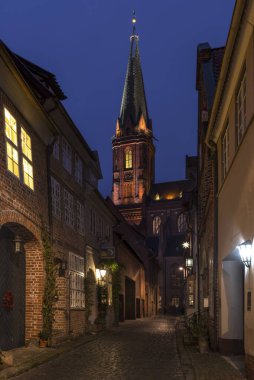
134	20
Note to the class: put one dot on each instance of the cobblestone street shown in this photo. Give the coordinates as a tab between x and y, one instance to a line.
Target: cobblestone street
143	349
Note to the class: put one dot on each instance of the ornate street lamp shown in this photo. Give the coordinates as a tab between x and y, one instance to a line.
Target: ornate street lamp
245	250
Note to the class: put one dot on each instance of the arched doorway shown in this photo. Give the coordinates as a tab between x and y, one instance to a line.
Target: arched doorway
12	292
21	286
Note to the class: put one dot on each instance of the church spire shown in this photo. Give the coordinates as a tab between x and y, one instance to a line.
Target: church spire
133	105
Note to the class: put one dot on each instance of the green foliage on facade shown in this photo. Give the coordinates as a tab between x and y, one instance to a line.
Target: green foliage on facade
116	270
89	284
50	291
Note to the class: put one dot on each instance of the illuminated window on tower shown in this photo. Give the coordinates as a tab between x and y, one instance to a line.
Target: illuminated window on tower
128	158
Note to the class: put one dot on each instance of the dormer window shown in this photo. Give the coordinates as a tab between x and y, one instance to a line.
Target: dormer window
128	158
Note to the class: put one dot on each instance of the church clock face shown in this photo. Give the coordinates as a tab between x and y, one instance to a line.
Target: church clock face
128	176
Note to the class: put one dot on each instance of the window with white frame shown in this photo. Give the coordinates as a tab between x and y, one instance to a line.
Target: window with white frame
67	156
156	225
182	222
56	149
80	218
225	152
77	274
56	198
241	109
68	209
26	147
78	170
17	155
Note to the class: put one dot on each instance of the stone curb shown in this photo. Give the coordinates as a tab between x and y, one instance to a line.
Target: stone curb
39	359
185	359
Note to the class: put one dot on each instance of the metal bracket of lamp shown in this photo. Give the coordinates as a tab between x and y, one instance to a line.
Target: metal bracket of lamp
245	251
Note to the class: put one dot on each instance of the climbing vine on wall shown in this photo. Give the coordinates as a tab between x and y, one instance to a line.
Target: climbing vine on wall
50	291
116	270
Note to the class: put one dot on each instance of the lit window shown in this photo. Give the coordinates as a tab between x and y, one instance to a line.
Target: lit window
156	225
80	218
11	143
225	151
128	158
77	274
182	223
10	127
12	159
56	198
241	109
28	174
67	156
68	209
78	170
27	159
26	144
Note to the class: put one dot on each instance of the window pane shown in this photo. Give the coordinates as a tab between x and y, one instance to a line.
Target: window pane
26	144
28	174
12	159
10	127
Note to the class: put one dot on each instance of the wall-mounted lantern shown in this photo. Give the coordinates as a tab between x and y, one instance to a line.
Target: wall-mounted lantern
189	263
100	274
245	250
18	244
62	266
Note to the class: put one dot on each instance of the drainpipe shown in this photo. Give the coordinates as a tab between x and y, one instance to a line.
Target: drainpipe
215	249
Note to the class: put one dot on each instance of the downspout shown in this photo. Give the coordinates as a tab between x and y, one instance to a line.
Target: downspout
213	147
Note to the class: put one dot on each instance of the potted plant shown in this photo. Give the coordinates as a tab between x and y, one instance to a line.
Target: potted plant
43	339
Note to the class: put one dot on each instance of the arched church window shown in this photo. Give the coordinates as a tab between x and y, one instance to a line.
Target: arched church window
156	225
128	158
182	222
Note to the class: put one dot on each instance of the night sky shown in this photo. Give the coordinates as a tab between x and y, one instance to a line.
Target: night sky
86	44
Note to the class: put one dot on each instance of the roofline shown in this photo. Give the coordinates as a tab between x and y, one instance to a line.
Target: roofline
27	87
234	31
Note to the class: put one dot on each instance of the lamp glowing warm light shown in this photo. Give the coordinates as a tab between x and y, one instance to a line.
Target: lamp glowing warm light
186	244
100	274
245	250
189	262
103	273
181	268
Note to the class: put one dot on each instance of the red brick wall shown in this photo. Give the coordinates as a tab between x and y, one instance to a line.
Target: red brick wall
21	210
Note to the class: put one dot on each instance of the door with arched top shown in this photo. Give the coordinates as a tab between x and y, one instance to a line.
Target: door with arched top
12	292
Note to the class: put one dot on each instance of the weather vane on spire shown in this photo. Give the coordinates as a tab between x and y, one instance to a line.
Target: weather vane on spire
134	20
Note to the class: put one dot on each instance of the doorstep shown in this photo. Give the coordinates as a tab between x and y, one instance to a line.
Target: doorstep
25	358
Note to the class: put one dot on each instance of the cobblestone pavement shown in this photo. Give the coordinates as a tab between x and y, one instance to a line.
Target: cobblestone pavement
141	349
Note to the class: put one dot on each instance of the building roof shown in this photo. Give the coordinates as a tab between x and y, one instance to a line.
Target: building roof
41	81
134	99
170	190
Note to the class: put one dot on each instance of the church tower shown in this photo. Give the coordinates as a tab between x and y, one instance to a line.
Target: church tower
133	149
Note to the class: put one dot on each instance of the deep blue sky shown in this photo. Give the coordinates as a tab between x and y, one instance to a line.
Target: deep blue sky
86	44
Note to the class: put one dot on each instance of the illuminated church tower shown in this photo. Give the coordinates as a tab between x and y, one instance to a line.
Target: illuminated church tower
133	149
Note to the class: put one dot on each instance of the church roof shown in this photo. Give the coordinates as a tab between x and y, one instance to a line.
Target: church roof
134	99
170	190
